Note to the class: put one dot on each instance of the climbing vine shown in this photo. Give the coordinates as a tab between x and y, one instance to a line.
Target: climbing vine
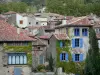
68	66
27	49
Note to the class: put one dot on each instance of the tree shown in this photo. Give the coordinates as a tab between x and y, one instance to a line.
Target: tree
92	66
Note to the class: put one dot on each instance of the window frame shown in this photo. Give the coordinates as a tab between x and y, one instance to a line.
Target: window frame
84	32
76	31
77	58
19	55
77	45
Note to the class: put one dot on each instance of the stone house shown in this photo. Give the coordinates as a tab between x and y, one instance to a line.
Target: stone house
15	51
58	41
19	20
77	29
40	47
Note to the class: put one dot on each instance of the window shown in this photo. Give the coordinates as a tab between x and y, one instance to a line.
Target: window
63	56
77	42
37	23
62	44
76	32
29	22
84	32
77	57
21	21
38	48
41	59
17	58
17	43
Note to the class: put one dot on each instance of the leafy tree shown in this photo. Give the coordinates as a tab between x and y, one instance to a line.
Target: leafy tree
73	7
92	66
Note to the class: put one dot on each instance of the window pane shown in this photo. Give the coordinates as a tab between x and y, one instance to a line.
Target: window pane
41	59
13	59
17	59
76	32
9	60
25	59
21	60
76	42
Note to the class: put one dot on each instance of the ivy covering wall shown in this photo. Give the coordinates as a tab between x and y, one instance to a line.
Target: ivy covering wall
27	49
68	66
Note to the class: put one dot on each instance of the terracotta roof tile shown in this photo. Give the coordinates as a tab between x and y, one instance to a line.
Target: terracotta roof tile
61	36
9	33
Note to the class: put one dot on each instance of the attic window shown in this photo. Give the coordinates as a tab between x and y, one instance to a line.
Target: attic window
29	22
37	23
21	21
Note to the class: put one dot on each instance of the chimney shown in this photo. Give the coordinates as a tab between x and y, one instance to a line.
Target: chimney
64	21
18	30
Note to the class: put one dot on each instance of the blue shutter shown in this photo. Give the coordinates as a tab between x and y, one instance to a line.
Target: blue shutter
81	57
66	57
81	42
73	43
61	44
73	57
61	57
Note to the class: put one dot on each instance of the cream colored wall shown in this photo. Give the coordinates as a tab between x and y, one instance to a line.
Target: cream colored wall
85	39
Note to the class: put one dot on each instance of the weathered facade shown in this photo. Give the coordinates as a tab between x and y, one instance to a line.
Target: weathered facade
15	51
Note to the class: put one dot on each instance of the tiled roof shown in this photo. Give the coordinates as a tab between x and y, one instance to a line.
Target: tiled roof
77	21
9	33
61	36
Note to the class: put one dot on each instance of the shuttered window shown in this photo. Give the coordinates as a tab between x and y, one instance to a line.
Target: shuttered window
77	42
77	57
84	32
63	57
17	58
76	32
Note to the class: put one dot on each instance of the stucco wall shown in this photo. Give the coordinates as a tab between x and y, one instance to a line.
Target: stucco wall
85	47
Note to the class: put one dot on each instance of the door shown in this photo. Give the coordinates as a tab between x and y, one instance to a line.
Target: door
17	71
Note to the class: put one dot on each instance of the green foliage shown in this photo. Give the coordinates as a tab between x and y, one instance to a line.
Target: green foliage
92	66
27	49
73	7
40	67
68	66
20	7
51	63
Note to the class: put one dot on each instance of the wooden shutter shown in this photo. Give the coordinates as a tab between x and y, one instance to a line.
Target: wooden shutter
81	42
81	57
66	57
73	57
73	43
61	57
61	44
